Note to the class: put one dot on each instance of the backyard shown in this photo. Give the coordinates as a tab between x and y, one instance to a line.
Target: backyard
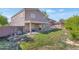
52	40
64	34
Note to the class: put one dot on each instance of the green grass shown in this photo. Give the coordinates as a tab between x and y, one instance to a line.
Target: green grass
52	39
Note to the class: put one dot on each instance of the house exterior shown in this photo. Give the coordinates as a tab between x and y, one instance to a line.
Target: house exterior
56	25
30	19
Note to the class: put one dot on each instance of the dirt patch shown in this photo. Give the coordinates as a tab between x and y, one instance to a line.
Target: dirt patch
71	42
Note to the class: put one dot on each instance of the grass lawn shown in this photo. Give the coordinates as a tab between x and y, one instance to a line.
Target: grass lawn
47	41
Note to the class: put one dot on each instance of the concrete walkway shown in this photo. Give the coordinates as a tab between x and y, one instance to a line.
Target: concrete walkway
33	33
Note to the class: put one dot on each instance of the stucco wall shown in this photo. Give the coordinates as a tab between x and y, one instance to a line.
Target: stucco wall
26	28
18	20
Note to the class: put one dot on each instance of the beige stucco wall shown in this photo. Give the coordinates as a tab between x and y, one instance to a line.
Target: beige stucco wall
18	19
26	28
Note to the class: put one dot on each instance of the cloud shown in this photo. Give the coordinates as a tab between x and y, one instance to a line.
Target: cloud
50	11
61	10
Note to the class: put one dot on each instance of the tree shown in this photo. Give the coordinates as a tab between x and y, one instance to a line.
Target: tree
3	20
45	13
61	21
72	24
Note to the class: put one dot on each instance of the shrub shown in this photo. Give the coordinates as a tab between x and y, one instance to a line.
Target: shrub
72	24
25	45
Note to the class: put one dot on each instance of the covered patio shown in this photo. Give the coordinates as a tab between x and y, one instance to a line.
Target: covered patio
34	26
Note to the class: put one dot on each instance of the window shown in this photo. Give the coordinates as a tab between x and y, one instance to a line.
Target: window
32	15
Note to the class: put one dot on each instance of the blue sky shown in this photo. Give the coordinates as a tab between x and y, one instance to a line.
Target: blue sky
54	13
61	13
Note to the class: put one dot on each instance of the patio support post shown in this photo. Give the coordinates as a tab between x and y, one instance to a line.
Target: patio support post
30	27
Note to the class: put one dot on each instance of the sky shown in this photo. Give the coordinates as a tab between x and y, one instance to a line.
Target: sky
53	13
61	13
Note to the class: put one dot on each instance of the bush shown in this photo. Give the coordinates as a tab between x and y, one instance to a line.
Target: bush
72	24
24	45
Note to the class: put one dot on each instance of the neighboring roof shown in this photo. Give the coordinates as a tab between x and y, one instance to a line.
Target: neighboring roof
51	20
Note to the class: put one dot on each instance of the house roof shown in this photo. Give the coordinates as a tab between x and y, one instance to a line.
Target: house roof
18	13
23	10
